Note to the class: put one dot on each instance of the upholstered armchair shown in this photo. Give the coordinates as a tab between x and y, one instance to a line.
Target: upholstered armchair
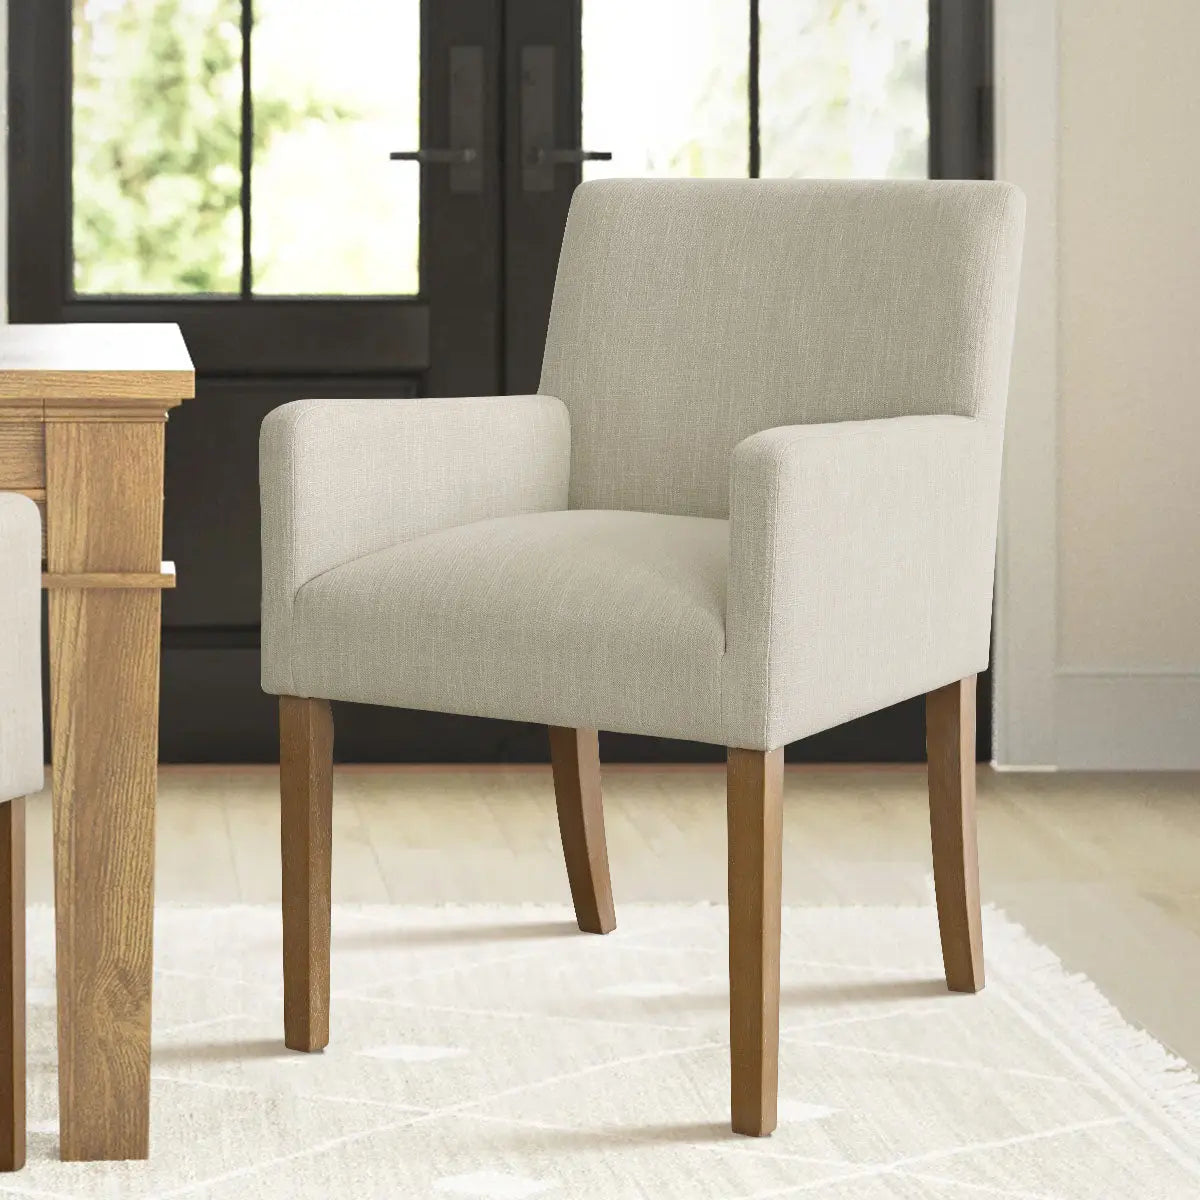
20	774
755	497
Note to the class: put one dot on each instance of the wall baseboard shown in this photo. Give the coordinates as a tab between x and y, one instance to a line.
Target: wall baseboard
1128	721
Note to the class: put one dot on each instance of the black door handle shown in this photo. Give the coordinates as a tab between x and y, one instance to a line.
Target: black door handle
540	156
463	155
539	105
447	157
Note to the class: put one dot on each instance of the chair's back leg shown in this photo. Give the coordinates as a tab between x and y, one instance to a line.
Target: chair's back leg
755	816
12	985
950	741
575	763
306	811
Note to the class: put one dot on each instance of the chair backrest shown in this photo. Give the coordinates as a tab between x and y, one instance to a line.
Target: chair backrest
689	314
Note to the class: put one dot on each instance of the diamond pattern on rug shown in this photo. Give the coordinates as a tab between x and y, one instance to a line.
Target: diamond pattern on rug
491	1185
643	990
498	1054
413	1054
792	1111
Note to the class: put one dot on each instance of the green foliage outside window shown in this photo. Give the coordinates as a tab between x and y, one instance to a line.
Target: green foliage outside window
157	156
157	102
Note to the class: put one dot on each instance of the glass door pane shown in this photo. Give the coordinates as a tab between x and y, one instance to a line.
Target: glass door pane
843	91
335	88
159	143
156	145
666	87
840	87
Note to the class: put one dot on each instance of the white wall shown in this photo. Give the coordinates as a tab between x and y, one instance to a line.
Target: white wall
1106	387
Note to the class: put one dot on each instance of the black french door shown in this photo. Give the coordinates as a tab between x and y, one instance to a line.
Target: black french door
367	199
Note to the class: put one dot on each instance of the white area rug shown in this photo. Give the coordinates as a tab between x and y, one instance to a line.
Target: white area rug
498	1054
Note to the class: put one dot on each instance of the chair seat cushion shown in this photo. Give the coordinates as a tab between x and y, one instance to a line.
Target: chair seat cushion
593	619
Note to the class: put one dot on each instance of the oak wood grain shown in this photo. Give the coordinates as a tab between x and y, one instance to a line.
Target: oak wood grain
82	412
104	514
754	809
22	455
12	985
575	764
162	578
950	740
104	486
306	825
136	365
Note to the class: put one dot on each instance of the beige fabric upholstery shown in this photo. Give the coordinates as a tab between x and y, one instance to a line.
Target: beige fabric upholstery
690	314
860	570
20	647
772	507
344	478
569	618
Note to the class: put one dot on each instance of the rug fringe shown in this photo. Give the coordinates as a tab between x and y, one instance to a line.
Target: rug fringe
1153	1069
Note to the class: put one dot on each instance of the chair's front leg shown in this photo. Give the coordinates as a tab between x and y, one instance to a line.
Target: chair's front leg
12	985
950	742
575	764
306	808
755	815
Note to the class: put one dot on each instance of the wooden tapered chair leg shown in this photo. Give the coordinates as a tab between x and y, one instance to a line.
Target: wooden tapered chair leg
755	816
12	985
306	811
575	764
950	741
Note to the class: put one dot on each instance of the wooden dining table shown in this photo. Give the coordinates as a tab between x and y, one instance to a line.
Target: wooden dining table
82	418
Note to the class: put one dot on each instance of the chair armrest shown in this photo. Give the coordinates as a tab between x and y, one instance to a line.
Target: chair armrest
21	770
343	478
861	565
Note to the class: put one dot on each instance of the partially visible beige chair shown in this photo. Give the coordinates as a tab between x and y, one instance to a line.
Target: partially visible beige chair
20	773
755	498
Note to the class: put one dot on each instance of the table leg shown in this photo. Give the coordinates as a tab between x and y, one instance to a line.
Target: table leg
104	686
104	498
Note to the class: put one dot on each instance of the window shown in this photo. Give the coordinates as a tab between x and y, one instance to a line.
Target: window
799	88
213	155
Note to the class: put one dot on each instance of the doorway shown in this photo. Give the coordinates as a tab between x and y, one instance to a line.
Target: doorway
367	199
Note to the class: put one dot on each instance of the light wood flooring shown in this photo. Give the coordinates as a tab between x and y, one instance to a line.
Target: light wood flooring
1104	869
